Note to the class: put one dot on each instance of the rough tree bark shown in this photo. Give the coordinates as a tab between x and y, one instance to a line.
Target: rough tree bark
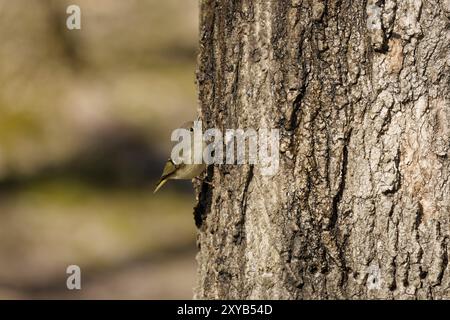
360	205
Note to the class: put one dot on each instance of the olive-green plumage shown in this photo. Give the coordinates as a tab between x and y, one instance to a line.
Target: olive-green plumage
180	171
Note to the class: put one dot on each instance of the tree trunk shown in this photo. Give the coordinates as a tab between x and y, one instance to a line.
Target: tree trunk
359	207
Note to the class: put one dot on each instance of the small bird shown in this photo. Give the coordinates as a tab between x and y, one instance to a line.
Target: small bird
181	171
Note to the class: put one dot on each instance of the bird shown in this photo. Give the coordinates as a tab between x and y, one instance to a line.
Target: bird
182	170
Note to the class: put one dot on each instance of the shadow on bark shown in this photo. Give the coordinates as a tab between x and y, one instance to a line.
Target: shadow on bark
204	199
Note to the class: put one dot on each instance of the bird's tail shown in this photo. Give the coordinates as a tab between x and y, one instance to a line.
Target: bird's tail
159	184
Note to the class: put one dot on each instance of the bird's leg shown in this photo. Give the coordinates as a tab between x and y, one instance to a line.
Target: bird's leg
204	181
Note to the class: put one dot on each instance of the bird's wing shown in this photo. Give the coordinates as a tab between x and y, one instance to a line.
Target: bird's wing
169	169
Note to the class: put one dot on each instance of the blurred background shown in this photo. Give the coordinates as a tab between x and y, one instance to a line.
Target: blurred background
85	123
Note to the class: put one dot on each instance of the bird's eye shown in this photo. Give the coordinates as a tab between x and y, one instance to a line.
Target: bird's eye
191	129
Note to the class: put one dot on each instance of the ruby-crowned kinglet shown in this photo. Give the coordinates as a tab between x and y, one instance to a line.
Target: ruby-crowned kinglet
182	170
